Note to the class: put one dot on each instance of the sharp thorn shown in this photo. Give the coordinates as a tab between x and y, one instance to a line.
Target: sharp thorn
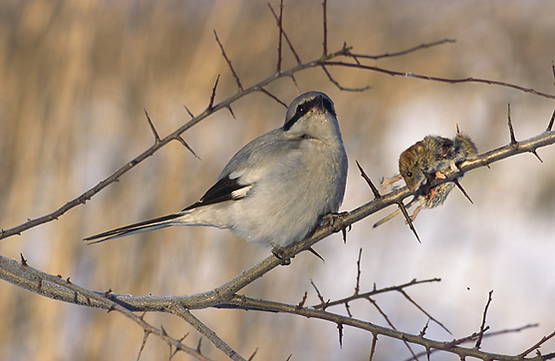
369	181
315	253
511	130
409	220
550	125
537	155
458	184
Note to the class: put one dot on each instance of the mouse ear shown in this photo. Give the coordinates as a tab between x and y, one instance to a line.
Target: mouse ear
420	147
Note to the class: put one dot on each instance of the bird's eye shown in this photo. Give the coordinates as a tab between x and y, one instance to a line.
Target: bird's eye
302	109
409	174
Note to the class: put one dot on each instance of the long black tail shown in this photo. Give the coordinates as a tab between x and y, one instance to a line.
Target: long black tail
145	226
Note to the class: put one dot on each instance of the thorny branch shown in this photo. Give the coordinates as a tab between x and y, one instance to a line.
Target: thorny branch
28	278
55	287
176	135
25	276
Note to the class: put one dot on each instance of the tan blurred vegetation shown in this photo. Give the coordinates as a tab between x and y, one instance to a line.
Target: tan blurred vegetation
76	75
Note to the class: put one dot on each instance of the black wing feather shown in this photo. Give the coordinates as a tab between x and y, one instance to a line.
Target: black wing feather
219	192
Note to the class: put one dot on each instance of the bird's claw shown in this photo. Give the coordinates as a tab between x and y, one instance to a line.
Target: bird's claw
280	254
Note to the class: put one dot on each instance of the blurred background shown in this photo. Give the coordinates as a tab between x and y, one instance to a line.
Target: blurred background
76	76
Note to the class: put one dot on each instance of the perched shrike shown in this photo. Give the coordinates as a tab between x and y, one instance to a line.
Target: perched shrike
276	189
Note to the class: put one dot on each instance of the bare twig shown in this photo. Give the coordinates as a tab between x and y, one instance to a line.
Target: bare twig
483	327
280	37
206	331
325	27
357	285
405	51
28	277
286	37
439	79
341	87
430	317
472	337
228	61
386	318
106	300
537	345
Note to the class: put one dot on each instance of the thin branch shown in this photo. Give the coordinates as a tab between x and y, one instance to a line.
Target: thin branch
483	327
472	337
406	51
28	277
185	314
386	318
537	344
325	27
357	285
341	87
439	79
286	37
280	37
86	297
228	61
365	295
430	317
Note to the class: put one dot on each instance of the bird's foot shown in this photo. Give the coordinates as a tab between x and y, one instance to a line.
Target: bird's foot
279	253
335	221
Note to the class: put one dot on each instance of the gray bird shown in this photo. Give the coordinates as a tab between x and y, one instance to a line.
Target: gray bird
277	188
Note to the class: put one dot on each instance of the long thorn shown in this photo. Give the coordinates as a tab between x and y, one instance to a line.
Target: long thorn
186	145
511	131
313	251
273	97
213	95
537	155
458	184
188	111
369	181
409	220
154	132
550	125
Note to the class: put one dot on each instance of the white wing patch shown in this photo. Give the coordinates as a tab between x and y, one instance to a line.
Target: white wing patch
240	193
